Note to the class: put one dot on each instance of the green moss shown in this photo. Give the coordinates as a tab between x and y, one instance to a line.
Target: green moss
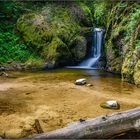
34	30
137	44
50	32
57	50
35	63
78	45
128	66
100	12
137	74
89	20
122	39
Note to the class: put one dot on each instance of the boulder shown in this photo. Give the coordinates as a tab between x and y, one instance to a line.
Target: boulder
111	104
80	81
58	42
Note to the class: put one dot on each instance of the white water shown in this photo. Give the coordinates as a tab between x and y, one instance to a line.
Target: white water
95	53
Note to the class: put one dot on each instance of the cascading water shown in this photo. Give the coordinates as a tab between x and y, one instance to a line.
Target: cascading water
95	50
95	53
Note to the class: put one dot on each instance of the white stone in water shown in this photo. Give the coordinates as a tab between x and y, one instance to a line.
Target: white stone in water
112	104
80	81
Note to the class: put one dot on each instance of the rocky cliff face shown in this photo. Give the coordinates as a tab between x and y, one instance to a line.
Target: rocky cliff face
122	41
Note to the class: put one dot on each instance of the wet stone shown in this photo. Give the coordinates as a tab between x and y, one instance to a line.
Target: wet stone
80	82
111	104
89	85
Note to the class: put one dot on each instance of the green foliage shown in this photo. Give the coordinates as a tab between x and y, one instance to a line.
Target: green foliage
138	44
11	9
133	28
58	51
100	13
88	13
11	49
123	20
134	19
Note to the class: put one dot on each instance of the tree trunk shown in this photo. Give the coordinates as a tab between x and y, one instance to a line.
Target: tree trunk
101	127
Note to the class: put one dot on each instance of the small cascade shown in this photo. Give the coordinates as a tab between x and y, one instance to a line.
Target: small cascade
95	53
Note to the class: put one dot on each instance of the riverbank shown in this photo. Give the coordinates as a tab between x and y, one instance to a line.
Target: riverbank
54	100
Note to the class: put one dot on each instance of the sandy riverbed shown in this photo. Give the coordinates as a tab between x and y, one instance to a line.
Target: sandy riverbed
54	99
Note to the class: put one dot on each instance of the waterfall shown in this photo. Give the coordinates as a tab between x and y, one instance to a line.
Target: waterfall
95	52
96	49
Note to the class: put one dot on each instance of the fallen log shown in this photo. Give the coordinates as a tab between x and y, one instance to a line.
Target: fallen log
104	126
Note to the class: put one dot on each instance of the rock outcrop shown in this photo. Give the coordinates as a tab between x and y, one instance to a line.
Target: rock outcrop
55	35
122	41
80	81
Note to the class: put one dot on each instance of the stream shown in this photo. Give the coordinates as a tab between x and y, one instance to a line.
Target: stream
54	99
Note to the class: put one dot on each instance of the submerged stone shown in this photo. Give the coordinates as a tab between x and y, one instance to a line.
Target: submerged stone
111	104
89	85
80	82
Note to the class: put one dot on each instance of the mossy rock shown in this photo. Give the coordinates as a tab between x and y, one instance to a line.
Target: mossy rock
58	53
128	66
137	74
51	34
110	105
114	51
